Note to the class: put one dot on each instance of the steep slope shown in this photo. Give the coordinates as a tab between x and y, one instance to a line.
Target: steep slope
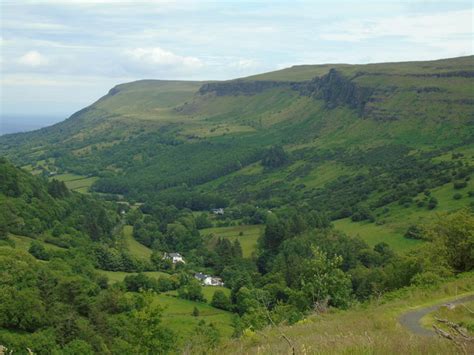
42	210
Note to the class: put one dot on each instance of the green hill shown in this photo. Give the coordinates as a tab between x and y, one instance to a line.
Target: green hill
356	137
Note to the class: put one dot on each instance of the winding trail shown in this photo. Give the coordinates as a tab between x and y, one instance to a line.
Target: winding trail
411	320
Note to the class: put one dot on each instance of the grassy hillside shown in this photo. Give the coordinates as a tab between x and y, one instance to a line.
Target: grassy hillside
369	328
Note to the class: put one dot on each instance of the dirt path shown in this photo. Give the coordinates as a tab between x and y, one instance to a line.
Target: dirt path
411	320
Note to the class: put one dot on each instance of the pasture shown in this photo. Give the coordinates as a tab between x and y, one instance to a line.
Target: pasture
178	315
246	234
75	182
136	249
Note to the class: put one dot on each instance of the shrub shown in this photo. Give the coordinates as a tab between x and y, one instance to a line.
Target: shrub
432	203
38	251
457	196
414	232
220	300
460	184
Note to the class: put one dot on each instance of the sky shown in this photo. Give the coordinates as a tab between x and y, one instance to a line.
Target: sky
58	56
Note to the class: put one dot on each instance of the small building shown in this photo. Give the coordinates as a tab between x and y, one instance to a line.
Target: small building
213	281
218	211
208	280
174	257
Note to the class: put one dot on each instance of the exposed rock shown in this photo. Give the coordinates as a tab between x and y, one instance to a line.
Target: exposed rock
333	88
336	90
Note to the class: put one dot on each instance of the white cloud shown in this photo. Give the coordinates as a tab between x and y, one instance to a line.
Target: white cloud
245	64
156	56
33	59
34	26
417	28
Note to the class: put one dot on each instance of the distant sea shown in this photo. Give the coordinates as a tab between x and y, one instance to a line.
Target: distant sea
10	123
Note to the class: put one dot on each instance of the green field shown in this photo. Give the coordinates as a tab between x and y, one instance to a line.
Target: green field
23	243
373	234
75	182
248	240
208	292
136	249
178	316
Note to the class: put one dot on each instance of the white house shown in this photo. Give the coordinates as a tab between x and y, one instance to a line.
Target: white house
174	257
213	281
208	280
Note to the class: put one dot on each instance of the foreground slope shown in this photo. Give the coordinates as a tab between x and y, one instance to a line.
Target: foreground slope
374	327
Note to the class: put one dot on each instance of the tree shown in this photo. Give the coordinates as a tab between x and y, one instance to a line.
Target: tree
323	281
38	250
220	300
145	331
237	249
456	233
432	203
202	221
192	291
275	157
139	282
58	189
195	312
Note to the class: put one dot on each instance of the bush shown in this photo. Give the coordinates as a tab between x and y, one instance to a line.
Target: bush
457	196
139	282
220	300
38	251
192	291
414	232
460	184
432	203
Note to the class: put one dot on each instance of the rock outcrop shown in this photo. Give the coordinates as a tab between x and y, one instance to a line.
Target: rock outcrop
334	88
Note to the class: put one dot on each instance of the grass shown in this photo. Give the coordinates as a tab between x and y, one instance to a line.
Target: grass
461	314
209	291
136	249
178	316
399	218
248	239
75	182
373	234
371	328
23	243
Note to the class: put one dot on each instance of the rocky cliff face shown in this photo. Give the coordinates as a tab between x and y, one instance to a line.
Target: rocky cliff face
333	88
337	90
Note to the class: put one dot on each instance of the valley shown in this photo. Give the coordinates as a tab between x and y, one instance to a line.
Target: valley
321	201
